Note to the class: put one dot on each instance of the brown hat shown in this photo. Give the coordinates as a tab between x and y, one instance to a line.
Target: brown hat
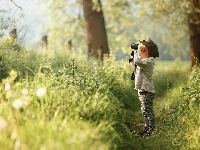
152	47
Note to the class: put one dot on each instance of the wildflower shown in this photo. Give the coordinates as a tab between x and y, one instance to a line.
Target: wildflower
18	104
7	86
3	124
24	91
41	92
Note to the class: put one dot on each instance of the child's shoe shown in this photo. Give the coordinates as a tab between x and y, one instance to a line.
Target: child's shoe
144	132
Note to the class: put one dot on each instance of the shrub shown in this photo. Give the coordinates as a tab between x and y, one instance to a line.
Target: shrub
72	104
189	110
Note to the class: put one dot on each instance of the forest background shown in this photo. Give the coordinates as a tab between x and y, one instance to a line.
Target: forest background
124	25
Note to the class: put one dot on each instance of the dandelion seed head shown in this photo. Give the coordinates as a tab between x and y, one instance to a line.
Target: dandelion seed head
7	86
41	92
18	104
24	91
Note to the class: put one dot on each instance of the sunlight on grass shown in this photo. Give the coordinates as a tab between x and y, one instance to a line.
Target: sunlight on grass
60	102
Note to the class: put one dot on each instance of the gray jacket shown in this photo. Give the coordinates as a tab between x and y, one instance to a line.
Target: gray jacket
144	72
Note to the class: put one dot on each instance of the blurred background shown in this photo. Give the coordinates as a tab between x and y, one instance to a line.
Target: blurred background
125	22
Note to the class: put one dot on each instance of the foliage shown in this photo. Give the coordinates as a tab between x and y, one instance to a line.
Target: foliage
61	102
58	111
189	110
166	73
82	103
12	18
126	22
172	16
169	78
176	111
13	56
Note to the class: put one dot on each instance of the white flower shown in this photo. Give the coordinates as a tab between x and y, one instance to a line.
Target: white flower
7	86
41	92
18	104
3	124
24	91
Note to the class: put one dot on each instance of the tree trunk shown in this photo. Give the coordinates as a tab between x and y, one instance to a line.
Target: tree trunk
44	43
95	29
194	28
13	33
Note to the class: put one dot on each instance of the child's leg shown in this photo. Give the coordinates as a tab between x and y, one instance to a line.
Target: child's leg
146	100
150	111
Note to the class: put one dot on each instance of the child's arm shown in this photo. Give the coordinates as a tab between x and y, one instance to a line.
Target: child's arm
138	60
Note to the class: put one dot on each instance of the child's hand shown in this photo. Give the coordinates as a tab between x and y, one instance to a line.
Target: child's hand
142	47
144	51
130	59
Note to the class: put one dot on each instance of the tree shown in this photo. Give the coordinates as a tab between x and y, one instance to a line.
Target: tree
95	28
66	22
12	20
194	28
125	22
183	21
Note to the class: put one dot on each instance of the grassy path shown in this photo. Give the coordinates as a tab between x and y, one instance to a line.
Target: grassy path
168	82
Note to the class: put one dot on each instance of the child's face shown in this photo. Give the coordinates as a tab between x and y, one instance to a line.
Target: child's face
144	50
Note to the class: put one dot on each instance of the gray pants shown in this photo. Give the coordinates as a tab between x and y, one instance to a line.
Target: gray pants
146	100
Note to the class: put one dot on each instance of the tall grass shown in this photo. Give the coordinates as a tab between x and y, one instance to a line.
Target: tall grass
50	100
56	113
189	110
169	79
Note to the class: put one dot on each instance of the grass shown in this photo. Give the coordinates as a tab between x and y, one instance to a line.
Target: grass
169	78
59	102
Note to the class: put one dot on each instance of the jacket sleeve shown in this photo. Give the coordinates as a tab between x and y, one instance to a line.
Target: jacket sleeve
138	60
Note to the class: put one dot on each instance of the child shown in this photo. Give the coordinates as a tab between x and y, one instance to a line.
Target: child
144	62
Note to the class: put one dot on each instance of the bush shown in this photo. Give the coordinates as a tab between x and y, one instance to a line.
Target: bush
189	110
61	104
87	104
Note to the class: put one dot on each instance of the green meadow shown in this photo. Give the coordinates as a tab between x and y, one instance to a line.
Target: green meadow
58	100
